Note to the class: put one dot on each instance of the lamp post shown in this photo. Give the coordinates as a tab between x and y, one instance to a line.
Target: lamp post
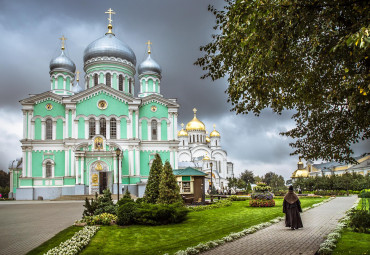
118	153
207	159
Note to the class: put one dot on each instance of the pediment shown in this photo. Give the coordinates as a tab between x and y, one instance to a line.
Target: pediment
156	98
48	95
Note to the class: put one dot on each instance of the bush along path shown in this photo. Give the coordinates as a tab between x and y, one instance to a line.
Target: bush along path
202	247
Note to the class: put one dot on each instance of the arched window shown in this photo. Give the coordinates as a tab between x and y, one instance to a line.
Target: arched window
91	127
216	142
154	130
48	168
129	86
88	81
113	129
103	127
49	129
108	79
197	138
96	79
183	143
120	82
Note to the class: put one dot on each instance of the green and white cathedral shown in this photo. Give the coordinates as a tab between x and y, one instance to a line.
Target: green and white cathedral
80	141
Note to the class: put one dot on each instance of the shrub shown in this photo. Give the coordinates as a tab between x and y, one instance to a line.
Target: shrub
280	192
160	214
219	204
263	196
101	219
169	191
124	200
126	213
359	220
99	205
237	198
262	202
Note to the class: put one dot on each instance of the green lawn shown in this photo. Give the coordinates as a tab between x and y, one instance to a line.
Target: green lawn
56	240
353	243
200	226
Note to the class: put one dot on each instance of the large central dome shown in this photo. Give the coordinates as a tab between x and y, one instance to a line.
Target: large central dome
109	46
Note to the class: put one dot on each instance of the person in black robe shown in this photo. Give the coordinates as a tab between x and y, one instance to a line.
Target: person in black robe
292	208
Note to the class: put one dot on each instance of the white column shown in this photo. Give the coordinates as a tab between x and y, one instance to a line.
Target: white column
137	161
30	127
120	170
149	130
131	161
76	168
159	87
175	127
66	167
72	163
25	135
74	125
107	128
129	125
43	127
82	170
66	125
169	128
11	181
97	127
118	128
24	167
115	169
176	163
146	86
86	129
64	84
159	131
29	174
137	122
54	130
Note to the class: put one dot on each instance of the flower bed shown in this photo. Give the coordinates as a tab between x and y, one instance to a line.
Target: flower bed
219	204
74	245
262	203
101	219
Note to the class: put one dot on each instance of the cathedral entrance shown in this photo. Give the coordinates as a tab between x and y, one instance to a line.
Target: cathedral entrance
103	181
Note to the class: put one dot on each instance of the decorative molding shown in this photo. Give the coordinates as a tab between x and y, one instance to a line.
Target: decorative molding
113	59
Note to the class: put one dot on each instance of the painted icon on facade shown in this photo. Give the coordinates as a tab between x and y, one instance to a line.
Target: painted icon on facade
98	143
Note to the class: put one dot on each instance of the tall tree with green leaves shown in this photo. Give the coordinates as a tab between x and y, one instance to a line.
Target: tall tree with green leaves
247	176
311	57
152	188
169	191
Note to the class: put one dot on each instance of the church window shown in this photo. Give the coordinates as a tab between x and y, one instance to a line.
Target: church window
48	168
91	127
96	79
88	81
120	82
129	86
216	142
108	79
197	138
113	129
49	129
183	143
154	130
103	127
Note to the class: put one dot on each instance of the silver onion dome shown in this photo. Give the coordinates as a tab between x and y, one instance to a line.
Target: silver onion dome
149	66
109	46
77	88
62	63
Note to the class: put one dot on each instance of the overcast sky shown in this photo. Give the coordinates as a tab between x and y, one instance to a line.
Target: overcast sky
29	32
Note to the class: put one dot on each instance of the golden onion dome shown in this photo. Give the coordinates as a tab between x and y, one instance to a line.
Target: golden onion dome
215	133
182	132
300	173
195	124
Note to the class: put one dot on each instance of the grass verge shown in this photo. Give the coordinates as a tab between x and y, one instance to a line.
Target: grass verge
55	241
353	243
200	226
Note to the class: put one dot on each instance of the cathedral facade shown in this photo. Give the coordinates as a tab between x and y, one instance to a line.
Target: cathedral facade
79	139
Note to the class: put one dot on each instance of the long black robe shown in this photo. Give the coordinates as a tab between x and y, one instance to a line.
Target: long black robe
292	216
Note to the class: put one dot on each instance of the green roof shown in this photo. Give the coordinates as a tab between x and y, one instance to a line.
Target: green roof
188	172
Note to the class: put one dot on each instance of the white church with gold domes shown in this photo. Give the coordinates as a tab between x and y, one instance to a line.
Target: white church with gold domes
197	149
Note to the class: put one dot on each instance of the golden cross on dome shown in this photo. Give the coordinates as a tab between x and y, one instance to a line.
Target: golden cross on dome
78	75
63	40
110	12
195	111
149	43
214	126
182	125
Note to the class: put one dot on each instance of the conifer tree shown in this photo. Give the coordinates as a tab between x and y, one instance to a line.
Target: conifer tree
152	187
169	191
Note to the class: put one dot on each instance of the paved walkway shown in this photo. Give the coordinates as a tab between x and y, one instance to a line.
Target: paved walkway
24	225
277	239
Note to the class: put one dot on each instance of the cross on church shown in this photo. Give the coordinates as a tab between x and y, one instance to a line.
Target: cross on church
195	110
149	43
78	75
110	12
63	40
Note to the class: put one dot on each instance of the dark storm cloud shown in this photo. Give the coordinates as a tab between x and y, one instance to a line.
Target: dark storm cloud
29	40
